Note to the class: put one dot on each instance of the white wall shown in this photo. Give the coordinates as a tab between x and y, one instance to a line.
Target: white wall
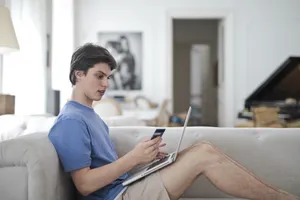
266	33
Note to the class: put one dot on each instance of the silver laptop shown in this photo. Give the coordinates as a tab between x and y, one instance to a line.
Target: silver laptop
158	164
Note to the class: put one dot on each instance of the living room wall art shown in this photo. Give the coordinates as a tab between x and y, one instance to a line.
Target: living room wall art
126	48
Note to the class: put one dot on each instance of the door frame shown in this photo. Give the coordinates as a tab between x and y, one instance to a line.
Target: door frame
229	48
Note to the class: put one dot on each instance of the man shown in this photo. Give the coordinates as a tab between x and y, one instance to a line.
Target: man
82	142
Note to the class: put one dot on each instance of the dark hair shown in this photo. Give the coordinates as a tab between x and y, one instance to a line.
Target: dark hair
86	56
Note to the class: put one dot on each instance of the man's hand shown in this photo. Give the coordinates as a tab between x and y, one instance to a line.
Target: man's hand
161	155
146	151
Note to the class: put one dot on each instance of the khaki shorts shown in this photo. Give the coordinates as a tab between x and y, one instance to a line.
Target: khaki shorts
149	188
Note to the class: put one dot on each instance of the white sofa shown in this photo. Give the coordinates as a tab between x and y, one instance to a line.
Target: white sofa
31	169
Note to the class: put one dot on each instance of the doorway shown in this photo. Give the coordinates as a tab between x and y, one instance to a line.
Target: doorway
223	67
195	50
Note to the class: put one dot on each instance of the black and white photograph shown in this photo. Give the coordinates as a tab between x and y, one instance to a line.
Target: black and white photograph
126	48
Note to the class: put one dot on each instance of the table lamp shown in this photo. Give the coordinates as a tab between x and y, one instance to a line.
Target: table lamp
8	38
8	44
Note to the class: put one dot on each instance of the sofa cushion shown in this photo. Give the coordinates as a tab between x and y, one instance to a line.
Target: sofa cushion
11	126
38	124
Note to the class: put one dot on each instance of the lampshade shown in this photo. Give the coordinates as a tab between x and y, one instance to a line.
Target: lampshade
8	39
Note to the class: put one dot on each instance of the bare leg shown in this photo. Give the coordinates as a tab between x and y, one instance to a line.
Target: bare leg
226	174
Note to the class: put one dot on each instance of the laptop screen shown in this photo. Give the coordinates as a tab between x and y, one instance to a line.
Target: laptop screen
184	127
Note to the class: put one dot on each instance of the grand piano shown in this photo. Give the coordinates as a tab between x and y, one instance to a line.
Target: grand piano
281	90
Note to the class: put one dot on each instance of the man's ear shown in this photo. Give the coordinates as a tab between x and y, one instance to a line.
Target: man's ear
79	74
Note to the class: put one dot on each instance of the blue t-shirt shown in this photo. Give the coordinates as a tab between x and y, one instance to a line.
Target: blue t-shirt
81	139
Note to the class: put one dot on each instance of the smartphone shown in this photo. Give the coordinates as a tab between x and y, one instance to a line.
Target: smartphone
157	133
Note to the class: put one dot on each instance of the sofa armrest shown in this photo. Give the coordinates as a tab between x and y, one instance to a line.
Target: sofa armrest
30	169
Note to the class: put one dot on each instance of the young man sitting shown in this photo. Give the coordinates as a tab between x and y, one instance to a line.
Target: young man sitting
85	149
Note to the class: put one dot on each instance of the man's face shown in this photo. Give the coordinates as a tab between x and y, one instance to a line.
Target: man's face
95	82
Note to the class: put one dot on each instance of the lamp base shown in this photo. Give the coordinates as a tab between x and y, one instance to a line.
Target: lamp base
7	104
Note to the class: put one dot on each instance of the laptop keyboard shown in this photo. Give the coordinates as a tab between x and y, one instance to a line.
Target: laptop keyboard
158	162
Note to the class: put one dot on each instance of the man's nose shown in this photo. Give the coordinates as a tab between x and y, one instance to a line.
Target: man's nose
104	82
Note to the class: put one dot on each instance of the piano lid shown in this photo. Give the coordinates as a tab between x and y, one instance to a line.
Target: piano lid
282	84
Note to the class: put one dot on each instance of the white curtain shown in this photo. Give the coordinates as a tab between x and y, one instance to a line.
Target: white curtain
24	72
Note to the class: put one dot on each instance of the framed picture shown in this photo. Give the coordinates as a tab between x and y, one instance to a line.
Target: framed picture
126	48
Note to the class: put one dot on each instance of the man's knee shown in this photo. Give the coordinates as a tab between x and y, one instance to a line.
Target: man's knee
205	154
205	147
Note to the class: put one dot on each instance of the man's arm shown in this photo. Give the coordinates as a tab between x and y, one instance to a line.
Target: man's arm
89	180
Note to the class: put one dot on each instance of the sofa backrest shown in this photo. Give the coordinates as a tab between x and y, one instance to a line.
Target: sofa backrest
270	153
